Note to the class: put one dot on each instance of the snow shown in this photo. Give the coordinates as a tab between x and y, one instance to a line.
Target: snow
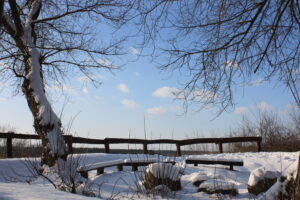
17	182
100	164
217	184
289	173
147	159
193	157
165	170
11	191
261	173
199	177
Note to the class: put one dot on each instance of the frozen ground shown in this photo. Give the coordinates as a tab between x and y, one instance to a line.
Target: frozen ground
16	182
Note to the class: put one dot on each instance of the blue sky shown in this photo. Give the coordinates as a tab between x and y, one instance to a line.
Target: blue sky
117	107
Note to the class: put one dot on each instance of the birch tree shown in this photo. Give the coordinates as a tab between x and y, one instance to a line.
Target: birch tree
41	41
221	45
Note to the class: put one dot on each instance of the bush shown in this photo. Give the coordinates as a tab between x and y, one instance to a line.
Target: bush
277	134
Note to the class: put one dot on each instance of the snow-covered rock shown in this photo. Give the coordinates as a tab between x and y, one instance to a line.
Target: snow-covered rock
213	186
199	178
285	186
261	180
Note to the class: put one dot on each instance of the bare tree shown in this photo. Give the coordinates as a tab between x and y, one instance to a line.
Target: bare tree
218	45
41	41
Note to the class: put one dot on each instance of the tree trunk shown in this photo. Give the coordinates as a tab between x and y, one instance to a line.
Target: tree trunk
297	181
46	123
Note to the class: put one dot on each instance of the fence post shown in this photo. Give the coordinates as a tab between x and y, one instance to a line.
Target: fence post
258	146
145	148
9	145
178	149
106	147
69	140
220	147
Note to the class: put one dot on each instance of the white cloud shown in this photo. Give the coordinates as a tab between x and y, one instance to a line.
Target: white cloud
253	83
292	106
130	104
106	63
241	110
264	106
85	90
123	88
156	110
296	71
62	88
2	99
166	92
175	108
159	110
257	82
136	73
4	65
172	92
201	95
92	76
232	64
133	51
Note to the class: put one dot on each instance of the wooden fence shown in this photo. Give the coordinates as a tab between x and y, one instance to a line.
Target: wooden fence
70	140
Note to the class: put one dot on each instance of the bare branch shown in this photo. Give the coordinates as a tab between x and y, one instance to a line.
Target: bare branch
216	43
16	17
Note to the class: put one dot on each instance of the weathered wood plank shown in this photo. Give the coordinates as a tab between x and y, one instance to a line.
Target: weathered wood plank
9	145
107	141
230	163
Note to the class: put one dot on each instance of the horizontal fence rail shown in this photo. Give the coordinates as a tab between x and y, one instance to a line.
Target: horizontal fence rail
70	140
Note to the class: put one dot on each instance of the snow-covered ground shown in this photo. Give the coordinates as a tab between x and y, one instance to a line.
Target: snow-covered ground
17	182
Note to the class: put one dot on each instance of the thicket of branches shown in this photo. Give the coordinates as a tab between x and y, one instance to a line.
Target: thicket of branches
278	133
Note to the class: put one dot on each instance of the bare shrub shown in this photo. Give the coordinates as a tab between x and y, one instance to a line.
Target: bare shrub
162	174
63	177
278	134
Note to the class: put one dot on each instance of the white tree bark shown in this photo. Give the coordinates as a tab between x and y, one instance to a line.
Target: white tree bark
46	122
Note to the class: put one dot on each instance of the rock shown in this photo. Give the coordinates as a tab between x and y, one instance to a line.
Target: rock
197	183
218	186
261	180
162	174
198	178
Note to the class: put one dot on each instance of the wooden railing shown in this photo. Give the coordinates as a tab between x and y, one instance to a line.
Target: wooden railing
70	140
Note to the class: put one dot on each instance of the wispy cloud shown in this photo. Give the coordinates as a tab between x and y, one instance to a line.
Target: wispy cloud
254	83
159	110
3	99
231	64
166	92
133	51
292	106
156	110
264	106
288	109
175	108
106	63
241	110
172	92
63	88
129	104
85	90
123	88
88	78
